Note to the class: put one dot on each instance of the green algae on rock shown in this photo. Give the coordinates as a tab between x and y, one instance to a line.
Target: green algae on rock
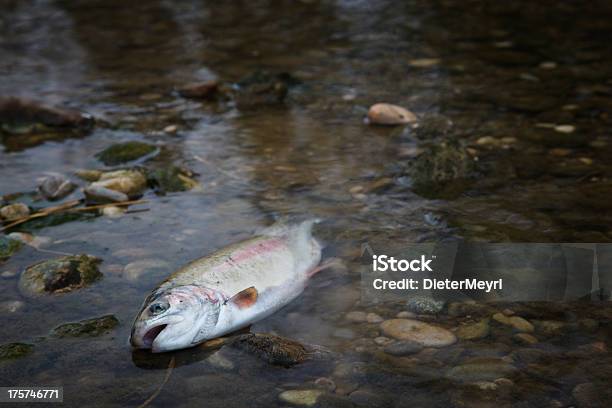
120	153
60	275
8	247
87	328
12	351
441	170
171	179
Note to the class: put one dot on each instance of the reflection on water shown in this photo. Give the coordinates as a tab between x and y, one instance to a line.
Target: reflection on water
526	86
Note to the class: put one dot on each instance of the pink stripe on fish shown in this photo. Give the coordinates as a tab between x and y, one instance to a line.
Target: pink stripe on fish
257	249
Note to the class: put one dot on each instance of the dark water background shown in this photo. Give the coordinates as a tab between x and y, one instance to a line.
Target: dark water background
511	70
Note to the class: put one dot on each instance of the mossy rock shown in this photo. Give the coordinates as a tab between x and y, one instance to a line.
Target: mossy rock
11	351
60	275
53	220
87	328
442	170
8	247
263	88
120	153
273	349
433	126
171	179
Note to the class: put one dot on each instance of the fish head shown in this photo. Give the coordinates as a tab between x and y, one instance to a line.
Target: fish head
172	319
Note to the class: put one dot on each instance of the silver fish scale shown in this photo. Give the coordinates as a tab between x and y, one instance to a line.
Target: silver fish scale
262	262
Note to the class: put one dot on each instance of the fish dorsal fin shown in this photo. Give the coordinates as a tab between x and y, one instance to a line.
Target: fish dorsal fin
245	298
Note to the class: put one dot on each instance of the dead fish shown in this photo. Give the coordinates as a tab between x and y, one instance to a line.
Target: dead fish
228	289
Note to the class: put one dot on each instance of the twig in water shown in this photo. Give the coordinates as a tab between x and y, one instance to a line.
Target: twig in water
43	213
166	378
67	207
99	206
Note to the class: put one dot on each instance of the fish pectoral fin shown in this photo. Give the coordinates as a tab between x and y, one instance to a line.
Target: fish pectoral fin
245	298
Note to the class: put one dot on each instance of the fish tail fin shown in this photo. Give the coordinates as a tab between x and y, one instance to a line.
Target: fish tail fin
298	236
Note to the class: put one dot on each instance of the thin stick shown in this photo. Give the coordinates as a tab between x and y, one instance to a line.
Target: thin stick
99	206
156	393
137	211
43	213
68	207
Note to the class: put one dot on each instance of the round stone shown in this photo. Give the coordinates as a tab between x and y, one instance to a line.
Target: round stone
300	397
420	332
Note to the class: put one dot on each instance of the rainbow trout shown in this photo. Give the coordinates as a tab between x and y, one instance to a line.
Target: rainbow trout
228	289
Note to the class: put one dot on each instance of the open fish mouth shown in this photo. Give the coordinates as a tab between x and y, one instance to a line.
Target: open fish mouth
152	334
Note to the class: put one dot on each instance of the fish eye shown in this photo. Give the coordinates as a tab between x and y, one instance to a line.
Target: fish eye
158	307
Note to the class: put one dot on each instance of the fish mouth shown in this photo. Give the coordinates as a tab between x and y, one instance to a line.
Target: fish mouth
152	334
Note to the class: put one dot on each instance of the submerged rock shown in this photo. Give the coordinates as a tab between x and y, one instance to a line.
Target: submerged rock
120	153
275	350
325	383
98	194
433	126
87	328
403	348
12	351
588	395
550	327
116	186
129	182
525	338
56	187
473	331
424	305
374	318
14	211
8	247
480	369
60	275
172	179
20	111
263	88
301	397
208	90
440	169
517	322
388	114
88	174
416	331
11	306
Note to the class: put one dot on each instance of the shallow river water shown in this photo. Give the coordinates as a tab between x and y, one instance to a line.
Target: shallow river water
524	88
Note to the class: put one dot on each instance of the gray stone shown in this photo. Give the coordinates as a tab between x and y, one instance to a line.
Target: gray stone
403	348
425	305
